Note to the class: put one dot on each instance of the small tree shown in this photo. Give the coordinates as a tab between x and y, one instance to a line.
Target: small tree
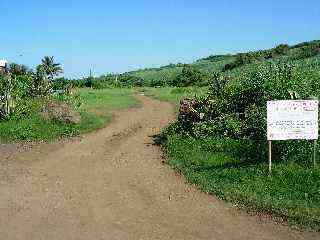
89	82
41	85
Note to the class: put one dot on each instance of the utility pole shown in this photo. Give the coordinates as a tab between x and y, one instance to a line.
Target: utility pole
90	77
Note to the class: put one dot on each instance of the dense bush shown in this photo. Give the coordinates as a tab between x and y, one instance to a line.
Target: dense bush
130	80
306	51
235	106
62	83
189	77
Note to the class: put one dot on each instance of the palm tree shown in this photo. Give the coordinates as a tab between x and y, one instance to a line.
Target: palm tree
51	68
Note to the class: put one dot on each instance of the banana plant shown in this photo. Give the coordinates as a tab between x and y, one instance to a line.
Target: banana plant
7	97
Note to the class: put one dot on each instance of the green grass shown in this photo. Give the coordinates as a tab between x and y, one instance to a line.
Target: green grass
174	94
292	192
95	108
97	105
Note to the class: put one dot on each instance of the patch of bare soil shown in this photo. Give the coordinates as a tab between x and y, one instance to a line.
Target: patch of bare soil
111	184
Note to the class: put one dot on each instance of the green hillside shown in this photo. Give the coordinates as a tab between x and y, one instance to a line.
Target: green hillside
201	72
164	75
227	63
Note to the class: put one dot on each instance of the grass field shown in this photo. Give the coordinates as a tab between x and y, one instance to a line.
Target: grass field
94	106
172	94
97	105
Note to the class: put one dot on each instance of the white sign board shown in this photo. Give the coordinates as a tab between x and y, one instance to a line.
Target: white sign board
3	63
292	119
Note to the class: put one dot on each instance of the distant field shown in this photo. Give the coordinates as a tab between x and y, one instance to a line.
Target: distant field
94	106
173	94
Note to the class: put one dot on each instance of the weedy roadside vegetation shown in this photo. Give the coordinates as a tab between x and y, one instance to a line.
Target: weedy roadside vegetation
225	152
35	106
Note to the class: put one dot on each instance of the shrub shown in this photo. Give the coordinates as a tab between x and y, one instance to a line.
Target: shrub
235	107
190	77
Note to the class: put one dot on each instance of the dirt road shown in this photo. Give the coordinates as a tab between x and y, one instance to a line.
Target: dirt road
111	184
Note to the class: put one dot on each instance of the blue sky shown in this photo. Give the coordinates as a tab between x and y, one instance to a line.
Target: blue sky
123	35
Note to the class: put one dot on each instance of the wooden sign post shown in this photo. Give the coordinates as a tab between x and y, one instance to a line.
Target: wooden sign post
270	157
292	119
315	153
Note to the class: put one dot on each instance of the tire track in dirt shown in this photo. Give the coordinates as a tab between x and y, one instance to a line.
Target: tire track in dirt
111	184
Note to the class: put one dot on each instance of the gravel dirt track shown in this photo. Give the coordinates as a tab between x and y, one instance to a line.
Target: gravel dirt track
112	184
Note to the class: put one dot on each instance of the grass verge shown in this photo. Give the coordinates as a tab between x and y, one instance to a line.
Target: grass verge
94	106
291	193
